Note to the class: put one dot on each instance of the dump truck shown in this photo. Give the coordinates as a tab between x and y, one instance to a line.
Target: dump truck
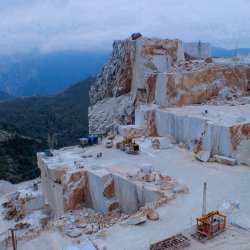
121	145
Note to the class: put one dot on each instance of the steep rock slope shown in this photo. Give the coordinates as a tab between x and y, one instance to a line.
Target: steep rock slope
120	86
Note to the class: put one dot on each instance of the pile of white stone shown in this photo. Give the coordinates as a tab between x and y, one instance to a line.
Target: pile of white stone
162	180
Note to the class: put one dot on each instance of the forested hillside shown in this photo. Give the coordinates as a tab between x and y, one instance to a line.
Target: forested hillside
28	121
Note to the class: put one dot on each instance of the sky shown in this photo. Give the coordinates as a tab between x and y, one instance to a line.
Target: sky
52	25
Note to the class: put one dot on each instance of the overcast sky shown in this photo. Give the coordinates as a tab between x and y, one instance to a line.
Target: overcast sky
50	25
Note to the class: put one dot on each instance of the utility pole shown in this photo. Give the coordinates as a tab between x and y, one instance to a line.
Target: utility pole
204	199
51	133
199	45
13	239
236	50
51	139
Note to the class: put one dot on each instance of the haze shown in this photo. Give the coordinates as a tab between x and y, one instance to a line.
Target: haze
62	24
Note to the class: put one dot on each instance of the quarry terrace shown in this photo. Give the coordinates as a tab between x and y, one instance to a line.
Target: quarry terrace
188	114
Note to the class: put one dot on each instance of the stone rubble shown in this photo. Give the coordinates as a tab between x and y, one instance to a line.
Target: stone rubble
137	219
203	156
151	213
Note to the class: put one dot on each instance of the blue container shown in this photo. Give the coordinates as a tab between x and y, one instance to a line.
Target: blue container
93	140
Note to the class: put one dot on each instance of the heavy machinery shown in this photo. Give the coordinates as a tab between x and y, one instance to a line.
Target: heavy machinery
132	148
121	145
128	145
209	224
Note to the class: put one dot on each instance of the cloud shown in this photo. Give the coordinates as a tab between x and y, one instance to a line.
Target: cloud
76	24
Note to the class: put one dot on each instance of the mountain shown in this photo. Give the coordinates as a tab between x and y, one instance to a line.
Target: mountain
46	74
4	96
26	121
221	52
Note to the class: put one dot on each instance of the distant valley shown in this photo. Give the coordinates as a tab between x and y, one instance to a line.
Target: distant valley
47	74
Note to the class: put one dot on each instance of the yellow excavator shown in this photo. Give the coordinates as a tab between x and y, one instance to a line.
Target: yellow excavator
132	148
121	145
128	145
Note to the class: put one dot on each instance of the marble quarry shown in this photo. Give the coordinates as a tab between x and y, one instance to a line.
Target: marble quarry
160	84
157	71
68	185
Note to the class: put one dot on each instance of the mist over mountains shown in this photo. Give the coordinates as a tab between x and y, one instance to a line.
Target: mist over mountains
46	74
5	96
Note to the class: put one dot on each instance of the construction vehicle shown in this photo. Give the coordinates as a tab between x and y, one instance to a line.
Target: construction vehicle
121	145
109	144
132	148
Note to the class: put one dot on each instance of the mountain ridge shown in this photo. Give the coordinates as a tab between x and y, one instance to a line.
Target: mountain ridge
47	74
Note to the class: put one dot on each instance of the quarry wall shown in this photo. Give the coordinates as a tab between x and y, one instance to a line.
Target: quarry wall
66	187
160	76
145	71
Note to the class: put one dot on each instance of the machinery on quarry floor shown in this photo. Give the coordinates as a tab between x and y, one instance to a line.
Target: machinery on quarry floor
132	148
209	225
128	145
121	145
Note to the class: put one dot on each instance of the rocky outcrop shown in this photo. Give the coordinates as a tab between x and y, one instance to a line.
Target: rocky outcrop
116	77
194	87
127	80
106	115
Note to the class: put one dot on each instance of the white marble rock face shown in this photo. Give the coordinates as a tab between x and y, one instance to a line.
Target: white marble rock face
220	131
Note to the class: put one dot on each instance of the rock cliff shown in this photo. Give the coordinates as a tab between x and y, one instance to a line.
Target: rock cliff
120	86
154	71
116	76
